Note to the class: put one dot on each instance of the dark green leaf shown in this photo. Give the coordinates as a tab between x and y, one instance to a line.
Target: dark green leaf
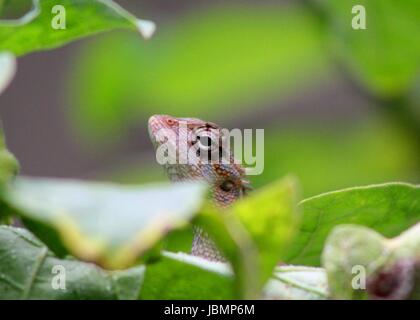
27	272
181	276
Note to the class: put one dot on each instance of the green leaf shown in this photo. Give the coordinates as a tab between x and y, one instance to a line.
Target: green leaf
349	248
384	56
27	271
7	69
361	263
182	276
107	223
237	246
196	61
270	216
255	231
297	283
35	32
387	208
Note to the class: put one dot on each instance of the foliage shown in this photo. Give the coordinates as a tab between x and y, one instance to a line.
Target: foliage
83	17
255	243
105	223
385	55
26	273
388	208
391	265
109	238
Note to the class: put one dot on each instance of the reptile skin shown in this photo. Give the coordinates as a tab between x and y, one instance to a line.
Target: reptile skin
226	179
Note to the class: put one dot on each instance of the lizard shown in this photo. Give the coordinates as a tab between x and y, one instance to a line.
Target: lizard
226	179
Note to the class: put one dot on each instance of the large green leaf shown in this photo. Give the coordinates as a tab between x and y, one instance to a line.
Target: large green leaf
34	31
27	272
255	231
387	208
386	54
221	59
106	223
28	268
181	276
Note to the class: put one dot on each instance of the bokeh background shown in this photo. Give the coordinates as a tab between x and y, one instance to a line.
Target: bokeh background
340	107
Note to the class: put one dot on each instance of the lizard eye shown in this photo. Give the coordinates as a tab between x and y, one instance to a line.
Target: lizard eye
227	185
206	139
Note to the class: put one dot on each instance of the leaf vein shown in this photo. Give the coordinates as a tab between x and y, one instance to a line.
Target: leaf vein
38	263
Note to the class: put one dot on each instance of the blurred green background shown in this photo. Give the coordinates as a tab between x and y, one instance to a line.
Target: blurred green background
340	107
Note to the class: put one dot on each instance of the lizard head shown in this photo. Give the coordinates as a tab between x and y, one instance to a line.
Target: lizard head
197	146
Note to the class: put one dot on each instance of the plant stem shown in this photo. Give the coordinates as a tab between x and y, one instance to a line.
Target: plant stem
402	112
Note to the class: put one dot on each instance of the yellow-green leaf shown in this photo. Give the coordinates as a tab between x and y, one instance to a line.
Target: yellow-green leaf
107	223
